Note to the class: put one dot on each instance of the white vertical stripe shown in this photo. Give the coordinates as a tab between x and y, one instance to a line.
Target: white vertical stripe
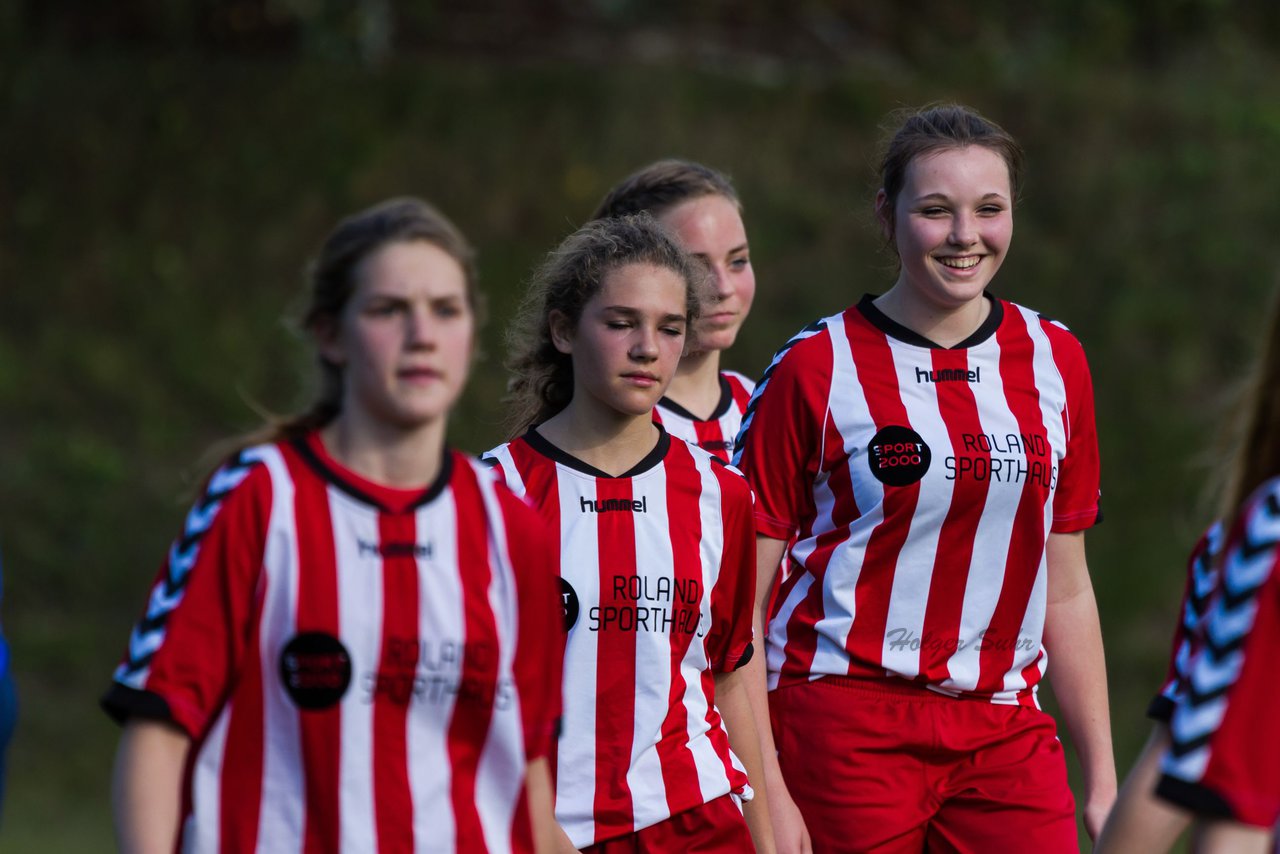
913	572
579	565
995	527
654	560
203	830
501	772
711	774
360	609
848	401
776	654
440	621
283	787
510	471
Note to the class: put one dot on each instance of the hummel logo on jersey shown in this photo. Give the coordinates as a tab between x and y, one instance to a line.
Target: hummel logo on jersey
610	504
418	550
949	375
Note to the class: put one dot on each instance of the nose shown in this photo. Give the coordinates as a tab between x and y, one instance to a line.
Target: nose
720	282
964	230
644	347
419	329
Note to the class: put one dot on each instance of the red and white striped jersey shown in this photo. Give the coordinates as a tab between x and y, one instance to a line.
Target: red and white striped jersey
1224	753
920	485
360	668
717	433
657	572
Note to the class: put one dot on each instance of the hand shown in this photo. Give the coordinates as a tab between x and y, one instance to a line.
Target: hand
789	831
1096	809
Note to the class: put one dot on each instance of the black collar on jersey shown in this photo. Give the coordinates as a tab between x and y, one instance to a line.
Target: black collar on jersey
888	326
346	482
540	444
726	400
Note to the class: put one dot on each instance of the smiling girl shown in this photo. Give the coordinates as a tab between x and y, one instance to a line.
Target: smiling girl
347	647
655	548
927	462
699	207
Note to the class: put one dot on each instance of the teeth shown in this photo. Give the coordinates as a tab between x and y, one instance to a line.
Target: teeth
960	263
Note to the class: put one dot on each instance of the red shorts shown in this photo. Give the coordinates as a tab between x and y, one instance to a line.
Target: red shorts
894	767
716	827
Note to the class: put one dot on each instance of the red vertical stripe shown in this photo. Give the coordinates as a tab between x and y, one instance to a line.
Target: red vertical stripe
317	597
950	575
711	438
740	393
1026	545
684	486
615	667
878	378
397	667
241	783
473	711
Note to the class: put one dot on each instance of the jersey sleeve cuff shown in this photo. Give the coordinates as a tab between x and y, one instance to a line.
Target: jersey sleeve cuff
767	526
732	662
1067	523
1195	797
122	702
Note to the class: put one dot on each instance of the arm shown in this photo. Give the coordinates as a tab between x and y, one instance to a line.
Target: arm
1073	637
146	786
739	721
548	836
789	832
1140	821
1230	837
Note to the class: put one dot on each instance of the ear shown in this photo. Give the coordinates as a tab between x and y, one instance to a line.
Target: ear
328	340
561	331
884	213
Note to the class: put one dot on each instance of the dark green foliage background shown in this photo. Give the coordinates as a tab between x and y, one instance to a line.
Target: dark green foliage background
157	206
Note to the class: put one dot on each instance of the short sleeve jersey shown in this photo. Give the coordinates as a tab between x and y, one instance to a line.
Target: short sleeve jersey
657	574
358	667
1224	754
717	433
919	486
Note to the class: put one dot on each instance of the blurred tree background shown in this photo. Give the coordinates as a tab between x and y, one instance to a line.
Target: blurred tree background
166	168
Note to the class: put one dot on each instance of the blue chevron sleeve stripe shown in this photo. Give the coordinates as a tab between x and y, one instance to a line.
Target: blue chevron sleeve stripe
149	632
749	415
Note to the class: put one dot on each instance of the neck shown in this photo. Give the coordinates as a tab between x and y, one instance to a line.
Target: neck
404	459
945	326
613	445
696	385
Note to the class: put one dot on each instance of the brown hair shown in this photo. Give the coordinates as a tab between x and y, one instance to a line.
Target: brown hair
660	186
332	277
934	127
1254	442
542	376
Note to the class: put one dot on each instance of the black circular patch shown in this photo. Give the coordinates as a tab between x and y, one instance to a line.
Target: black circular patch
569	599
898	456
315	669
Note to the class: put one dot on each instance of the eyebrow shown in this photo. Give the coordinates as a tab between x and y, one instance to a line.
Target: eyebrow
944	197
633	312
742	247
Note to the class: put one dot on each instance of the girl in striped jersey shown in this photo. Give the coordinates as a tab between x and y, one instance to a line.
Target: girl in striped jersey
1212	760
655	551
700	208
348	646
927	460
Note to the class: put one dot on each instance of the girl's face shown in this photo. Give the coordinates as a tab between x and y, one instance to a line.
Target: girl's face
629	339
404	339
710	228
952	223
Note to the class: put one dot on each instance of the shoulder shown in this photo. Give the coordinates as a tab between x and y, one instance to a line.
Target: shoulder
1057	332
737	379
732	483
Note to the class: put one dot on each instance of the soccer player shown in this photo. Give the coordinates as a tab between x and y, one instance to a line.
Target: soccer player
349	645
655	551
700	208
927	462
1213	761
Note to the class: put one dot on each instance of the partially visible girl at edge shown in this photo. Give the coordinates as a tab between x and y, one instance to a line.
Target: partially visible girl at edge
655	551
932	451
347	647
700	208
1213	758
